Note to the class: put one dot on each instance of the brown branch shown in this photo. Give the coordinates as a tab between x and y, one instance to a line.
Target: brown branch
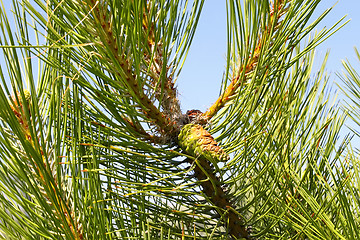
155	55
165	124
277	10
164	91
210	184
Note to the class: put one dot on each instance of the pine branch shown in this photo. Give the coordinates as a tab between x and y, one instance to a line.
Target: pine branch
43	172
165	125
243	73
217	195
196	141
161	80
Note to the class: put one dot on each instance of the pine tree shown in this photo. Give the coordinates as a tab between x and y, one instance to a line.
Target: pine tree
95	145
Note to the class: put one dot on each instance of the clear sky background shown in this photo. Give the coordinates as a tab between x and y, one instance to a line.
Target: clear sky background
200	80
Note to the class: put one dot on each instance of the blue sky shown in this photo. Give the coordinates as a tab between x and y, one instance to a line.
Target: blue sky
200	79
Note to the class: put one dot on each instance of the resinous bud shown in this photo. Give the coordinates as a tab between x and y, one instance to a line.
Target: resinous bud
195	140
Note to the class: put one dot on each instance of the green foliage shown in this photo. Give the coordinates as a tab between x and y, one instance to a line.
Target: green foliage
351	78
90	123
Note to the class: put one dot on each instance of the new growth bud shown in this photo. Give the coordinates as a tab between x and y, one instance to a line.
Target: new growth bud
195	140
